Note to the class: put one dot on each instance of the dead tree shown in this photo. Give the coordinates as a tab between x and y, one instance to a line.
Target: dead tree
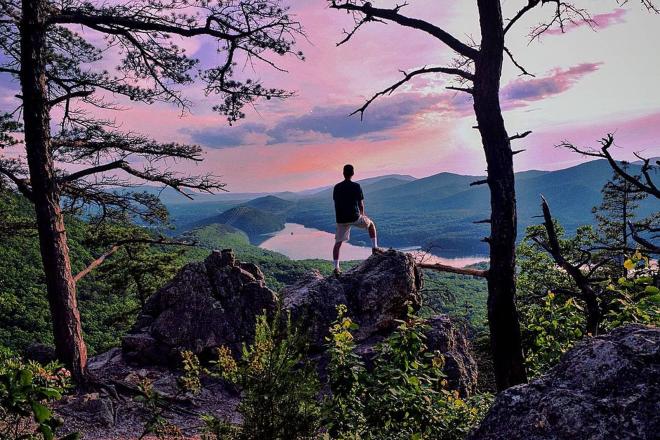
643	183
477	71
583	280
45	50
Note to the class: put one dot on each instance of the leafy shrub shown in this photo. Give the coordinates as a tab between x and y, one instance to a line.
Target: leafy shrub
635	298
279	387
405	396
26	389
549	330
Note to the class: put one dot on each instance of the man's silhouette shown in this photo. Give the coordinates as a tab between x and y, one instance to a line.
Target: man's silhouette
349	211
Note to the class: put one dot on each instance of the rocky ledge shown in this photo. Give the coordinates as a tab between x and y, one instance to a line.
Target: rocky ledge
215	302
605	388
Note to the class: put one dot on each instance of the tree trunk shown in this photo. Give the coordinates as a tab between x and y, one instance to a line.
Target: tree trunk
505	335
60	284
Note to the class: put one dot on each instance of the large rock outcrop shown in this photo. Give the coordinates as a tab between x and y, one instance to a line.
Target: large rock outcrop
207	305
376	292
605	388
215	303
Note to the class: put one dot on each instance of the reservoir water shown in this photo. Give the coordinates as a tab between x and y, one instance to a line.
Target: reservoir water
301	243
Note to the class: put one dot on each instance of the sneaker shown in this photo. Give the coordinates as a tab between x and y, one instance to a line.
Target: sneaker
377	251
336	272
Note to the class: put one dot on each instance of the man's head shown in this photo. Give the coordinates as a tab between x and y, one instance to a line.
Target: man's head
348	171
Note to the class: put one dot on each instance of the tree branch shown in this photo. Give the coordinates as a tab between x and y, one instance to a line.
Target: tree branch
451	269
115	247
531	4
23	185
407	76
553	247
520	135
394	16
513	60
648	246
604	153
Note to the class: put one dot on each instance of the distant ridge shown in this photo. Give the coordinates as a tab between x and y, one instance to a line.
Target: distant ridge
437	210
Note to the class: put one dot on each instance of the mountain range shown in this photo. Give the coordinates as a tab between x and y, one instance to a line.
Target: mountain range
438	210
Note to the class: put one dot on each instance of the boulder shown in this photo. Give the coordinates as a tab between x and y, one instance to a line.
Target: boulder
207	305
450	338
376	292
605	388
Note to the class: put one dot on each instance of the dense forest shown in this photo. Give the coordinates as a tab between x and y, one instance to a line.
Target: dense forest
118	322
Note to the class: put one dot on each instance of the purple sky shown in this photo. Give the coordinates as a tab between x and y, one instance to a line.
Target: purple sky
587	83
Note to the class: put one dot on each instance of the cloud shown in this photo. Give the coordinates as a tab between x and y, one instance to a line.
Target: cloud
227	137
325	124
381	116
600	21
521	91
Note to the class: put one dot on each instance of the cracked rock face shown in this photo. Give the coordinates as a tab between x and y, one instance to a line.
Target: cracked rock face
605	388
376	293
207	305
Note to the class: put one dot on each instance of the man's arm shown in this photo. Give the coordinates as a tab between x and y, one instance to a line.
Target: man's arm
361	202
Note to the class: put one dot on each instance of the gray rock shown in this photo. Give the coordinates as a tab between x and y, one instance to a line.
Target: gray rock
449	338
207	304
376	292
605	388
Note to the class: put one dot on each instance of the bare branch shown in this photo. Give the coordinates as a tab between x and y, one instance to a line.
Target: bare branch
531	4
520	135
513	60
553	247
393	15
451	269
606	143
648	246
407	76
117	246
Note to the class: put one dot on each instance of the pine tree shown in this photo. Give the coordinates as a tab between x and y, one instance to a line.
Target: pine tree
617	209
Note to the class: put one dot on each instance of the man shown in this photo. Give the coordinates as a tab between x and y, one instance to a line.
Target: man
349	211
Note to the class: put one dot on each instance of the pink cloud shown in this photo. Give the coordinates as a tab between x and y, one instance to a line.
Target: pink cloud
640	133
600	21
522	91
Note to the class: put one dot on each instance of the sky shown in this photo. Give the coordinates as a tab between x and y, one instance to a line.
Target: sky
588	83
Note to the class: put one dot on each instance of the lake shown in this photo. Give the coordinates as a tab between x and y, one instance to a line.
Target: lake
301	243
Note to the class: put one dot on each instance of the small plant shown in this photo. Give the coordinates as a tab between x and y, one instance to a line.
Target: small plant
190	380
405	396
635	298
549	330
155	405
26	390
279	387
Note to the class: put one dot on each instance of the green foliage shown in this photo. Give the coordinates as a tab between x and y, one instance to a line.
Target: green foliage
279	386
109	297
458	295
635	298
404	396
549	330
553	320
26	390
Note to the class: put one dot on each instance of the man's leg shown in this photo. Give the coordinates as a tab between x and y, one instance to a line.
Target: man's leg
373	235
335	255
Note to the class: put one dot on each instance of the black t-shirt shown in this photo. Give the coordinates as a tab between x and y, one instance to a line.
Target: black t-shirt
347	196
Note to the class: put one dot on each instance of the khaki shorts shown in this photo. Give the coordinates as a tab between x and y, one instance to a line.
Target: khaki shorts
344	229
